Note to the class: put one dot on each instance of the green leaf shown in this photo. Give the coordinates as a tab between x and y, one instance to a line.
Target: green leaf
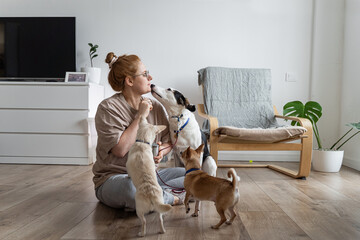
354	125
295	109
92	52
311	110
93	49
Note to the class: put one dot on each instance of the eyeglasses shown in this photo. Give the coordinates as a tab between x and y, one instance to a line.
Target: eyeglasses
145	74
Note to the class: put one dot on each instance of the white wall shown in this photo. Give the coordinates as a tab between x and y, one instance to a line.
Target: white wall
350	110
326	71
176	38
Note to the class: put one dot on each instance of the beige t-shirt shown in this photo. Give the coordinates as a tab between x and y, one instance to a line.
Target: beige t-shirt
113	117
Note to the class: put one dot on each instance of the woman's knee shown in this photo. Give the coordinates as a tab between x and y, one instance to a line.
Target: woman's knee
118	191
172	173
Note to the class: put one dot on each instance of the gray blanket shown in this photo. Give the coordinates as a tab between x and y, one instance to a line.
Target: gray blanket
238	97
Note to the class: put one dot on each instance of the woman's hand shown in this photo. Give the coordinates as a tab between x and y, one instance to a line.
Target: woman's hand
129	135
160	155
145	107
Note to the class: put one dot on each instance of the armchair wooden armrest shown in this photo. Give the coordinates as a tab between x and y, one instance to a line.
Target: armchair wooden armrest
305	123
214	123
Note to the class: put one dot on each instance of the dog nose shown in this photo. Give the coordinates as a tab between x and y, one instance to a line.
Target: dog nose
152	85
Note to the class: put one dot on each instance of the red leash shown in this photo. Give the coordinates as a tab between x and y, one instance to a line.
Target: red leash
172	145
173	189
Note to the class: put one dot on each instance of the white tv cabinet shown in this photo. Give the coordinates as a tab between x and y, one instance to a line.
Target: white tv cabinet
48	123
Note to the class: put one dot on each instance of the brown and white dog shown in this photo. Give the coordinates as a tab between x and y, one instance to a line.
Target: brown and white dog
183	127
200	186
141	169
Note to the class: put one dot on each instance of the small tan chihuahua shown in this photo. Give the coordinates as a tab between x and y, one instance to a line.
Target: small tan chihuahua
200	186
141	168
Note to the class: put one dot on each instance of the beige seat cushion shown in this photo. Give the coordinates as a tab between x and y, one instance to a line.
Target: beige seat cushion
261	135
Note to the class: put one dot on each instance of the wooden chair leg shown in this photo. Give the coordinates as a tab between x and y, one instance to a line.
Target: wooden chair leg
305	158
304	165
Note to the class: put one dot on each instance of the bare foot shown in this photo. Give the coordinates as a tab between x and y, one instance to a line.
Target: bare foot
176	201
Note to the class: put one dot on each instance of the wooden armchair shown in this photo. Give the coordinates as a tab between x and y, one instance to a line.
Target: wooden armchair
228	143
222	142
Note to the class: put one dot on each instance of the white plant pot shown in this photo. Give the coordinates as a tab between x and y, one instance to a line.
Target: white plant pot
327	161
94	74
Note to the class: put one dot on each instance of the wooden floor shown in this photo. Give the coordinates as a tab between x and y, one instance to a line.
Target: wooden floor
58	202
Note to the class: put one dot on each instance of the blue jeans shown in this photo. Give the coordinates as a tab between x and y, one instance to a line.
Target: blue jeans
118	191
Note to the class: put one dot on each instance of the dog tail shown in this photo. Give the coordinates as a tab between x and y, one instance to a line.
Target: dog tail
235	177
161	208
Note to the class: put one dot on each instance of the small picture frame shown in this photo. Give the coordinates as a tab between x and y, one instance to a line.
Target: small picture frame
76	77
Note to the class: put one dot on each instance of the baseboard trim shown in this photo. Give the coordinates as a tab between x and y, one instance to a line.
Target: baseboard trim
268	156
351	163
45	160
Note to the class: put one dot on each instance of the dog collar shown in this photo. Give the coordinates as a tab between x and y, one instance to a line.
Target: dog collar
192	169
137	140
178	117
181	128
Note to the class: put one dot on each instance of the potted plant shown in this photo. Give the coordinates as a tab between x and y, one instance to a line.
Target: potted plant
94	73
324	159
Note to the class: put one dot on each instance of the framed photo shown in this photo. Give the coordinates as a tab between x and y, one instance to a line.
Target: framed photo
76	77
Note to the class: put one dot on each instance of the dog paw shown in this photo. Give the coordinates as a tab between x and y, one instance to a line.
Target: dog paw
188	210
228	222
214	227
194	215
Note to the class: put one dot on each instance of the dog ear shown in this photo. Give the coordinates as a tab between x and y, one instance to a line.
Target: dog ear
160	128
200	149
186	153
189	106
180	99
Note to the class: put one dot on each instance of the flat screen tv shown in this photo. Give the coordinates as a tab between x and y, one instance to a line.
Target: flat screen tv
37	48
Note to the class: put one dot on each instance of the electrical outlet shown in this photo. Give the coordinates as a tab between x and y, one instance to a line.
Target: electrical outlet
290	77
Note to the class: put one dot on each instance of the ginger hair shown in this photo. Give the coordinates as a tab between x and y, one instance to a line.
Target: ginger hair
120	68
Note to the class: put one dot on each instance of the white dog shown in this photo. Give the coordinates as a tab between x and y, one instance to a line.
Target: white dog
141	169
184	129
